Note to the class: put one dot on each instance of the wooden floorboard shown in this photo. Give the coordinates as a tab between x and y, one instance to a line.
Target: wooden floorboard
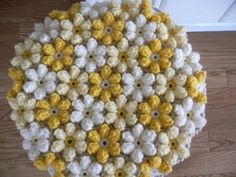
213	150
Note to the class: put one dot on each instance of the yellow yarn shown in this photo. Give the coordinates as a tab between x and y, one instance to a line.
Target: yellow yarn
40	164
54	99
107	40
165	108
155	68
145	167
155	125
154	101
146	5
18	76
201	76
98	24
106	71
145	51
48	49
154	162
114	135
116	36
108	30
166	121
42	115
112	87
146	8
59	165
104	130
144	107
59	15
92	147
53	123
201	98
156	18
59	174
102	155
114	149
95	78
145	62
145	119
74	9
166	53
164	63
165	168
96	144
155	45
192	91
58	55
54	103
50	157
95	90
108	18
192	82
93	136
115	78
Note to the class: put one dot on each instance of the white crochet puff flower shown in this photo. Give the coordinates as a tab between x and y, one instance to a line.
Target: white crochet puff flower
73	83
120	168
40	81
178	38
46	32
27	54
91	11
122	57
138	143
190	116
87	112
128	8
192	59
171	85
90	57
162	33
138	84
111	112
126	112
173	146
69	140
140	31
76	31
85	167
36	140
23	109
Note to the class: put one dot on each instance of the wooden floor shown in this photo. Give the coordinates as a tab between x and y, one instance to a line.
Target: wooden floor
213	150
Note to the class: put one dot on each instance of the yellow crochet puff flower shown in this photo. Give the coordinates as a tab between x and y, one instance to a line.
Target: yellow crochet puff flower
105	84
58	55
155	113
18	76
192	84
154	57
54	111
63	15
104	142
150	164
165	18
146	8
50	160
109	30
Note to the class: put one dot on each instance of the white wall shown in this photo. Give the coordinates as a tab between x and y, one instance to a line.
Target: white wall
201	15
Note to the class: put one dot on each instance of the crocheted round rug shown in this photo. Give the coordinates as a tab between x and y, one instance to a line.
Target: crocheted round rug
110	89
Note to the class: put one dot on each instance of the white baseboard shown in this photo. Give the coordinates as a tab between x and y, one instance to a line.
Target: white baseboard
201	27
